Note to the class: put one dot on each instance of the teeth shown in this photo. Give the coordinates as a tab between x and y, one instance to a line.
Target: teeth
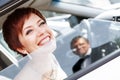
45	40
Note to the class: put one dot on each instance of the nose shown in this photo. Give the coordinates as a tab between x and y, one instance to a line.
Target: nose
78	46
40	32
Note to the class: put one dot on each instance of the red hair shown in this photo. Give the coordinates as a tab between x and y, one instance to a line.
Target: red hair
13	25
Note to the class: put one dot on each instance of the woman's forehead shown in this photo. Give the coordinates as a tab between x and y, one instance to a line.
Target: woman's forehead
33	19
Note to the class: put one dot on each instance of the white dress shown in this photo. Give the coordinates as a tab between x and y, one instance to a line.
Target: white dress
42	66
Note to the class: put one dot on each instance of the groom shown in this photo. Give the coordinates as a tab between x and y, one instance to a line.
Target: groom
81	47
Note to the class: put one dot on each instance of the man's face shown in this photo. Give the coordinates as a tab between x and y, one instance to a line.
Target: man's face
81	46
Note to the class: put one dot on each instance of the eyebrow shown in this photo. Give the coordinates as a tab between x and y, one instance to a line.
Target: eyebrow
31	25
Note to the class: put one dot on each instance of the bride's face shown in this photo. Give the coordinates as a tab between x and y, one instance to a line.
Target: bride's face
35	34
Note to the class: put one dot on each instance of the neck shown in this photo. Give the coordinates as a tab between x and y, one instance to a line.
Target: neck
40	59
89	51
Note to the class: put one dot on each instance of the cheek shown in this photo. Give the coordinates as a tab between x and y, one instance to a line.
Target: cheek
47	29
50	32
29	45
27	41
30	41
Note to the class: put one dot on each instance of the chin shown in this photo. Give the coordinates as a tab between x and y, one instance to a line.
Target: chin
49	47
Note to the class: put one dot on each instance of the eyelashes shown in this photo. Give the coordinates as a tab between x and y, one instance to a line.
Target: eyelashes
30	30
42	23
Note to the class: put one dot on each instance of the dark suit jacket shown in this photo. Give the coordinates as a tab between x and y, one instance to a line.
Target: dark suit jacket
96	54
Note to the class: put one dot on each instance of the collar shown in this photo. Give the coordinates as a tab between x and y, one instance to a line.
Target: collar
89	52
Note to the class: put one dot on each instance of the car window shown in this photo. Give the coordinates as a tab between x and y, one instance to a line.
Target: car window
101	4
53	19
102	34
65	27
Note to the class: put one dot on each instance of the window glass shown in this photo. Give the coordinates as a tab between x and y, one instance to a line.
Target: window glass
3	2
101	4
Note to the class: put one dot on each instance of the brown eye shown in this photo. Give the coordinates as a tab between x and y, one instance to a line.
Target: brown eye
28	32
42	23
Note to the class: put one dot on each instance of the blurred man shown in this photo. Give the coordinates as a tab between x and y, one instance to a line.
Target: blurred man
81	47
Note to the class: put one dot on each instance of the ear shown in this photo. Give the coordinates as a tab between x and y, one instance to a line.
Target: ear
23	51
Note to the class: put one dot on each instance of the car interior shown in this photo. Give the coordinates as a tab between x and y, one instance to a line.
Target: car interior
95	19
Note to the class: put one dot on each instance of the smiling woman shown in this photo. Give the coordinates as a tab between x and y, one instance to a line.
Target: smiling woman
35	38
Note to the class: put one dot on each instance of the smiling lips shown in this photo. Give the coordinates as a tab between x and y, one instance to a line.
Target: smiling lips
44	41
